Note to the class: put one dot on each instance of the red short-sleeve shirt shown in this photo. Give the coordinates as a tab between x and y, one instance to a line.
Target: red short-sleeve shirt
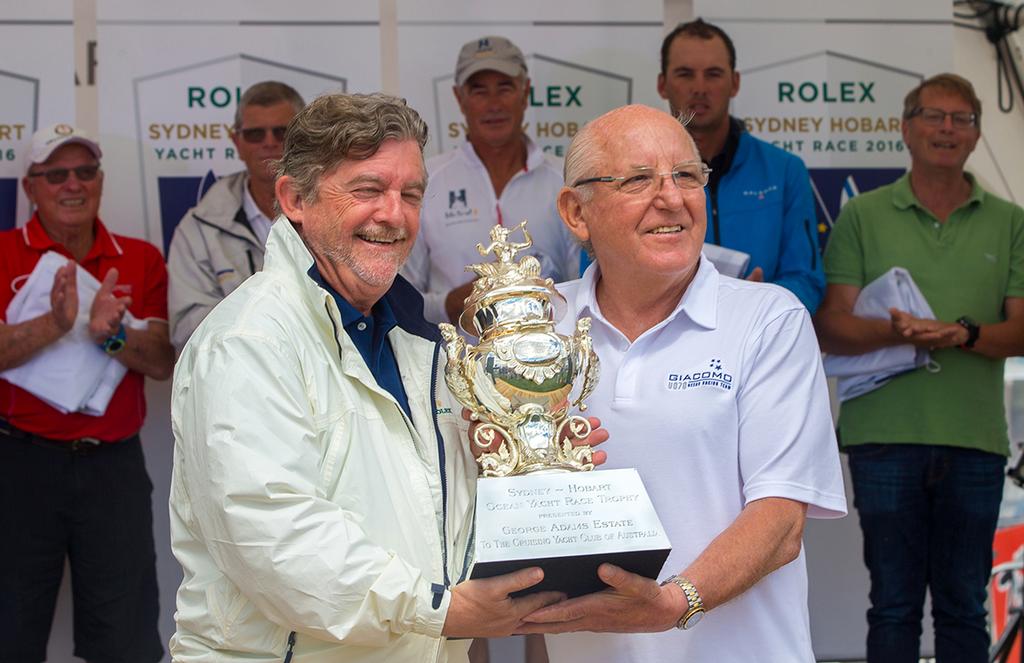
141	275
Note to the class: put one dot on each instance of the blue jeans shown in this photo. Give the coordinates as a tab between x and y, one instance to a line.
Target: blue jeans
928	515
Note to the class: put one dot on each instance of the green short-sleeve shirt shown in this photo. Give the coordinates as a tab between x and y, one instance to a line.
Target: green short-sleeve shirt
966	266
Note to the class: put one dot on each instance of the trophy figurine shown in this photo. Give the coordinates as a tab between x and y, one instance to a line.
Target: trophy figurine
537	503
518	380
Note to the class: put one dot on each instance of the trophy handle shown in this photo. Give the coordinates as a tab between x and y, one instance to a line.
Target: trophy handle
590	367
499	462
454	371
582	457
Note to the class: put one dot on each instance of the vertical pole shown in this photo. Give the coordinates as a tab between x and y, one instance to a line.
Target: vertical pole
676	12
86	96
389	46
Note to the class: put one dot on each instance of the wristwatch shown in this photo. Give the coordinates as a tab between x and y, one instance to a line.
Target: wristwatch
115	343
695	612
973	330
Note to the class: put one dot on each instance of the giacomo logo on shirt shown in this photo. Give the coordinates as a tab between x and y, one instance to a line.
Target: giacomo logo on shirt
712	376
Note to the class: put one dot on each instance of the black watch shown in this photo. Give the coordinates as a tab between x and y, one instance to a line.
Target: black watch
973	330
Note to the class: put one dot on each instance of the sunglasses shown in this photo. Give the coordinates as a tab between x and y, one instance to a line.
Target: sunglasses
257	134
60	175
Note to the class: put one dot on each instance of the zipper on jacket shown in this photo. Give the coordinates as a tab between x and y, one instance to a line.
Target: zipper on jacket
436	588
814	246
291	647
252	264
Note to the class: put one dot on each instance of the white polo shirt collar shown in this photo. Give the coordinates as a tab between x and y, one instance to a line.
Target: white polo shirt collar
534	155
699	303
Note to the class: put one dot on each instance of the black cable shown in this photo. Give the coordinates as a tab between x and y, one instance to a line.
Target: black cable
1000	20
1009	56
1003	78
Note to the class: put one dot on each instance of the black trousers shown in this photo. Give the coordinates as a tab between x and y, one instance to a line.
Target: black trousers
90	504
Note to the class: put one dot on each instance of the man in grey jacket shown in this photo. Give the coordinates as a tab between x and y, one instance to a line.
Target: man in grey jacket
220	242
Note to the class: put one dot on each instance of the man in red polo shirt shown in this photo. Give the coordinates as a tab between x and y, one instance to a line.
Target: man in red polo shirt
75	485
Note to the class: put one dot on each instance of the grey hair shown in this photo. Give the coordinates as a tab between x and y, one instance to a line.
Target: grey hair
267	93
339	127
583	155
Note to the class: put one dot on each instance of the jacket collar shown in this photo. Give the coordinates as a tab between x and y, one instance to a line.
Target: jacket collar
288	255
720	164
534	155
223	205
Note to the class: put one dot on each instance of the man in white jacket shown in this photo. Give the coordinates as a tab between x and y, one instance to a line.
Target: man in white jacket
498	176
220	242
322	497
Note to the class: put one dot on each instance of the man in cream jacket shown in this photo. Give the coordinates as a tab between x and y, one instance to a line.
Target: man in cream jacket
322	498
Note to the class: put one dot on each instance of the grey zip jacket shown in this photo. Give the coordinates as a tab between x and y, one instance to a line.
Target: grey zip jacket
213	250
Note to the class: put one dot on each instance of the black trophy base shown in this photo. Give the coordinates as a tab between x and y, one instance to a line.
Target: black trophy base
576	575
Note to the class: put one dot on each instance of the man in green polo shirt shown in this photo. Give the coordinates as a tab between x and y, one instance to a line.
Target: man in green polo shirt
927	450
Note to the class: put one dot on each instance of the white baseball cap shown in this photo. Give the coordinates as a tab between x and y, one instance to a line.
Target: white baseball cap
46	141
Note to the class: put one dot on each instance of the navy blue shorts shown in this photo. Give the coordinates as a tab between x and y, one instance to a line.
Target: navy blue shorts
91	506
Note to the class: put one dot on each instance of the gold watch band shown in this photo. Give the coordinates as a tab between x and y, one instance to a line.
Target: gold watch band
696	610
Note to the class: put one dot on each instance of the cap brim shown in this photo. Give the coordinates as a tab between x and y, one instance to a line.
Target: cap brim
500	66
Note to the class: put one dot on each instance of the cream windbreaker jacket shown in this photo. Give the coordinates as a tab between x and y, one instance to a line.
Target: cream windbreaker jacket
214	250
303	500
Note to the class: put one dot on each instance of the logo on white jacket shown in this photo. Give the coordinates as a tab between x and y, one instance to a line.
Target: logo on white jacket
710	375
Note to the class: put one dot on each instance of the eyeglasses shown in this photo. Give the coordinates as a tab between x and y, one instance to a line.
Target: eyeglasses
686	175
257	134
60	175
937	117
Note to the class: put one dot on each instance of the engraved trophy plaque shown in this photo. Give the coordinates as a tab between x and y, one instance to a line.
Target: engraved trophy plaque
538	503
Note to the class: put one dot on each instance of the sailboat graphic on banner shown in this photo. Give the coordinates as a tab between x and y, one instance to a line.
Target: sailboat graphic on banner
849	191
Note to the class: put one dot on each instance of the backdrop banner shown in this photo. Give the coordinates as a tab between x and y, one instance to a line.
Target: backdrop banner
35	90
170	90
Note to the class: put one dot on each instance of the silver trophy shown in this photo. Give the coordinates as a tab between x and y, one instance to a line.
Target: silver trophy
519	380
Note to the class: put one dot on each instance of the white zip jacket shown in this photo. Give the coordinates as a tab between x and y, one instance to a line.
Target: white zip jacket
213	250
303	499
460	208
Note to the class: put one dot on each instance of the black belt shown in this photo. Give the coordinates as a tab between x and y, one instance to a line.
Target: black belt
80	445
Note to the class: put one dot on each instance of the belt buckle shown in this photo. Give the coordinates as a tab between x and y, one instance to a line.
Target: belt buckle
85	443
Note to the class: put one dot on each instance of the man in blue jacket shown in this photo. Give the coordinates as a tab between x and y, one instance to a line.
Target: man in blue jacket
759	196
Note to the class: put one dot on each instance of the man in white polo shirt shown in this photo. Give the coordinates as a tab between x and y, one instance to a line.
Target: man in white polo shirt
712	388
498	176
